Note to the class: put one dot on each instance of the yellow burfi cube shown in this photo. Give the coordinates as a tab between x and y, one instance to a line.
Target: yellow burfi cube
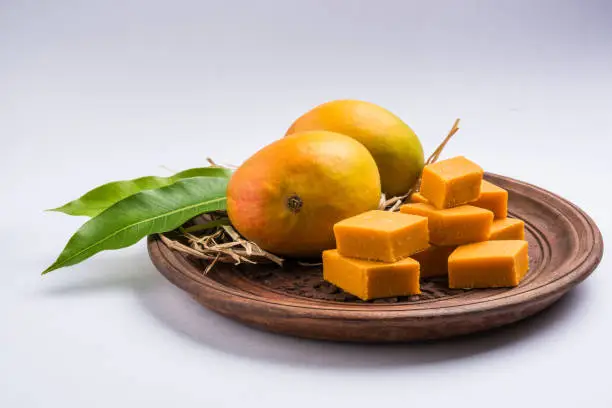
492	198
453	226
371	280
508	228
452	182
489	264
381	235
418	198
434	260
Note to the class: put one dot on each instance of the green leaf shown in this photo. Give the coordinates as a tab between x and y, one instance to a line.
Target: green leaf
148	212
101	198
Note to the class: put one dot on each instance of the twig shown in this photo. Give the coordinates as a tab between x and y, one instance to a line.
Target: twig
211	264
436	154
224	166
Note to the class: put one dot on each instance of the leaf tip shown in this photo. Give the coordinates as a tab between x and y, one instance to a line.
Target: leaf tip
49	269
55	265
62	209
73	212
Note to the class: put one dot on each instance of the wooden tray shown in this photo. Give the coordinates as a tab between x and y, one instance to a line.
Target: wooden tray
565	246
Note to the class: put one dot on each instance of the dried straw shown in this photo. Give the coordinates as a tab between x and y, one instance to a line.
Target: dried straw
217	242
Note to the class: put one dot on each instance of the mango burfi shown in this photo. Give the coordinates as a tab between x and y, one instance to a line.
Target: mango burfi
371	280
490	264
418	198
508	228
453	226
492	198
451	182
381	235
434	260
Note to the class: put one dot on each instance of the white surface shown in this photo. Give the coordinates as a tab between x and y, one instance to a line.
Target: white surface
98	91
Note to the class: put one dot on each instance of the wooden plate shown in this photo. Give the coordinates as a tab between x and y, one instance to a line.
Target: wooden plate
565	246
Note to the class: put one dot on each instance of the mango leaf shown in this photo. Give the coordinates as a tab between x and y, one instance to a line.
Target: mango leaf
141	214
100	198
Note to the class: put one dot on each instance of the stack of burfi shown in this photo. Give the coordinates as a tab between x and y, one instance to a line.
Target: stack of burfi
472	238
456	226
372	258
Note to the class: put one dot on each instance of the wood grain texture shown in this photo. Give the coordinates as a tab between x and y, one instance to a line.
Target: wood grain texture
565	246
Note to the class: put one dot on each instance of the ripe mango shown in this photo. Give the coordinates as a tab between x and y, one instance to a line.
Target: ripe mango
395	147
288	195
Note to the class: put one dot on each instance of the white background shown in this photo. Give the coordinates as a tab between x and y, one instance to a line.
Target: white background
97	91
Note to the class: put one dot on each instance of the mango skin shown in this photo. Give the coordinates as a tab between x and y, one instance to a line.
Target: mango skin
395	147
287	197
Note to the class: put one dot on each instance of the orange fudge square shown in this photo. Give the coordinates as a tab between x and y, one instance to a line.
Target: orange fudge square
434	260
371	280
453	226
418	198
489	264
508	228
381	235
492	198
451	182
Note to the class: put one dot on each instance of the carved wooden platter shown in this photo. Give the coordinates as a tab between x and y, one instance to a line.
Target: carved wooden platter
565	246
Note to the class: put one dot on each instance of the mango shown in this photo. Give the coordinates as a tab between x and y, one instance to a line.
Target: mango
287	197
395	147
